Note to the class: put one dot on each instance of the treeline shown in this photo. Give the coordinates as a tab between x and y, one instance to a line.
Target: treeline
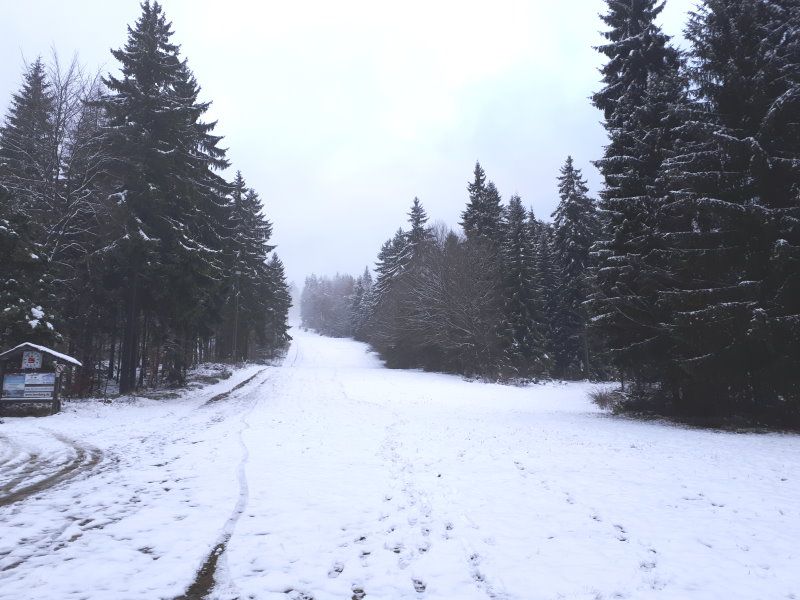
121	241
683	280
326	303
698	267
504	300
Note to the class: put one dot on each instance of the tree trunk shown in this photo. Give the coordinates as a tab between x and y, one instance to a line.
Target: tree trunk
111	358
127	376
586	372
143	367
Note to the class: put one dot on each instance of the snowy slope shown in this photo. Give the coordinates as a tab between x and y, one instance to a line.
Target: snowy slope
336	478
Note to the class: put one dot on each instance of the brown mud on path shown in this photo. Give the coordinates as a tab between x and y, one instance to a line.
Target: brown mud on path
238	386
205	580
41	473
207	577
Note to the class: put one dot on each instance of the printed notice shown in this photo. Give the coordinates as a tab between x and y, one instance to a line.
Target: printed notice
13	387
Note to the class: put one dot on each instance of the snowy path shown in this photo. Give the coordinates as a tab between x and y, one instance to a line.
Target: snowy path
138	522
331	477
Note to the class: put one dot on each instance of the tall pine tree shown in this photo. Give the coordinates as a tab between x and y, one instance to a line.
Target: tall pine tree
22	318
168	197
575	230
523	327
731	226
481	219
28	161
625	305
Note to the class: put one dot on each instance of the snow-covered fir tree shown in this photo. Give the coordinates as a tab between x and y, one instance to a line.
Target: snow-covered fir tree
575	230
523	327
169	198
277	304
360	304
624	304
418	235
28	165
116	223
251	288
482	217
23	316
731	223
547	280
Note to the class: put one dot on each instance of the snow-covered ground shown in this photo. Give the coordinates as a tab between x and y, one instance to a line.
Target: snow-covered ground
330	477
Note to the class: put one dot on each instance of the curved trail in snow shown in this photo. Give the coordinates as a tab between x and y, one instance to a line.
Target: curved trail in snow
40	473
208	576
31	472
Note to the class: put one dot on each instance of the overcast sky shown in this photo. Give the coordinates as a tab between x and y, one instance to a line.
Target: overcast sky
339	113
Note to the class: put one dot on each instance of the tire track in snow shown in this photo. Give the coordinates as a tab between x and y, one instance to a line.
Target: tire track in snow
80	459
50	538
9	453
210	575
227	394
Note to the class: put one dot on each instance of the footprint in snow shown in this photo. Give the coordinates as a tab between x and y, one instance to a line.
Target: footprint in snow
397	548
358	593
336	570
622	534
419	585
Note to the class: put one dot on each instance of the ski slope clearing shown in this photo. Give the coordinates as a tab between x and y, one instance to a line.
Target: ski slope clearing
331	477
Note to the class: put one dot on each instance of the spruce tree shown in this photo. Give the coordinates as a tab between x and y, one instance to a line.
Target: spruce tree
547	280
636	49
24	317
28	172
522	328
391	263
476	189
418	234
280	301
248	284
28	162
385	309
167	194
641	65
575	230
360	304
481	219
730	226
255	294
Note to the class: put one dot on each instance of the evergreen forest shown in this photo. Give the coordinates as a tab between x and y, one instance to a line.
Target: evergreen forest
681	281
122	242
